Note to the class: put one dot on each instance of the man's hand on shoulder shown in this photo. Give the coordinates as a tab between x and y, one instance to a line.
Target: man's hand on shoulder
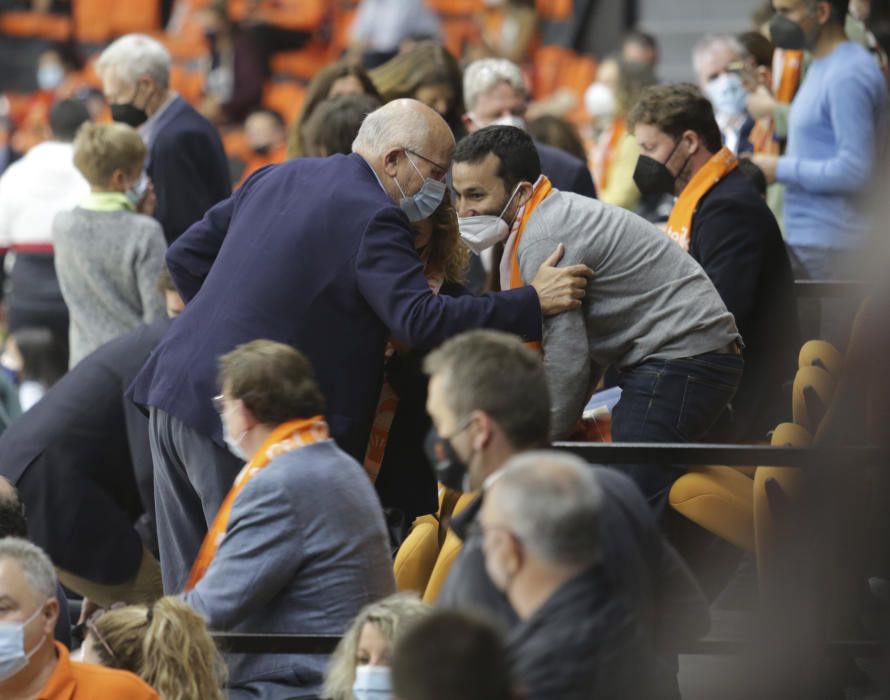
560	288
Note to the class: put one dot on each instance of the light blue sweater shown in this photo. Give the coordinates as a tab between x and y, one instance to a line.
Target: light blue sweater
833	139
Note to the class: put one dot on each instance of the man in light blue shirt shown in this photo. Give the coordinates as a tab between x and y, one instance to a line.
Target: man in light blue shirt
834	133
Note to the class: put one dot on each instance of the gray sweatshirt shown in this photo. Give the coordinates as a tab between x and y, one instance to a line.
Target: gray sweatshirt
648	299
108	263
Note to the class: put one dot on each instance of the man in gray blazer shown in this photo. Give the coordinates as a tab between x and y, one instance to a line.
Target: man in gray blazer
650	310
300	545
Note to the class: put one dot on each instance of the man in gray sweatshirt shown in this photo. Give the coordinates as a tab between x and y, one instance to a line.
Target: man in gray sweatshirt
650	311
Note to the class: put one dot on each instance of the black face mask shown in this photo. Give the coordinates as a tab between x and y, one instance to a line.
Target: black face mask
263	150
128	113
449	468
654	178
787	34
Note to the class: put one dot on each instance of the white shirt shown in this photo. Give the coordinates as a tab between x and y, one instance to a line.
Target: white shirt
382	25
34	189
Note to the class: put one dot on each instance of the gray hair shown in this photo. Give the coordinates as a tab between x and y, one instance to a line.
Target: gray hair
551	501
485	74
397	124
712	41
38	569
134	56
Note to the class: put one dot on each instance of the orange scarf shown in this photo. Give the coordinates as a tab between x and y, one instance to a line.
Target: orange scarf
787	67
604	160
511	277
679	226
287	437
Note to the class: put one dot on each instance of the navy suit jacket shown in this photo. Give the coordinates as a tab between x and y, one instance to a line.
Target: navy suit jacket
737	241
188	166
81	461
312	253
565	172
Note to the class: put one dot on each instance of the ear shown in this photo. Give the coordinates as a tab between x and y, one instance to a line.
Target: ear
248	420
823	12
483	430
50	616
118	181
526	190
391	161
694	141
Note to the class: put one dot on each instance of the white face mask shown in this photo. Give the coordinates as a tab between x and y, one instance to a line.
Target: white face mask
232	443
372	683
13	657
481	232
599	101
728	95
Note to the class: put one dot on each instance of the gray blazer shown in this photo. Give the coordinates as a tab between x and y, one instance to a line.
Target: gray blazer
305	549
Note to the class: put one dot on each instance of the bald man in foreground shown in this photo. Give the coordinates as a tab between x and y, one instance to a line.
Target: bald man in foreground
319	254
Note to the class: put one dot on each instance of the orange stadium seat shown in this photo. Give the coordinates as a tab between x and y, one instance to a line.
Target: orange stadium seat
287	14
188	83
554	10
304	63
51	27
285	97
97	21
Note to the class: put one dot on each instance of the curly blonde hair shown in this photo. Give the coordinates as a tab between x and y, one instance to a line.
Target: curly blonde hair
446	253
166	644
391	616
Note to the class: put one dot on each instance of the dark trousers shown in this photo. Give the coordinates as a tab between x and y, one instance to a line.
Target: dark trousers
193	475
680	400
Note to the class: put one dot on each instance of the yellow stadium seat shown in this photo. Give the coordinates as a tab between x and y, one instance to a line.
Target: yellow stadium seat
449	552
811	396
417	556
821	354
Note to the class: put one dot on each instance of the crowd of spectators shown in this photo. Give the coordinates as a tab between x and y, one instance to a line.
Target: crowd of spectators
298	297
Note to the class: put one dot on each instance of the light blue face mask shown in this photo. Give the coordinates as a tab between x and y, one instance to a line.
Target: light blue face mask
426	200
728	95
50	76
372	683
13	657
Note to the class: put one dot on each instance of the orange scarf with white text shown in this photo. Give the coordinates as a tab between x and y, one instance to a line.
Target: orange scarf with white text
679	226
287	437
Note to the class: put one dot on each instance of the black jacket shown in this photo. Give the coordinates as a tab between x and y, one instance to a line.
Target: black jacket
637	560
188	166
565	172
76	469
737	241
583	643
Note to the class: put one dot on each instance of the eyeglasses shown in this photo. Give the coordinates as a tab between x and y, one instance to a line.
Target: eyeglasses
219	403
439	173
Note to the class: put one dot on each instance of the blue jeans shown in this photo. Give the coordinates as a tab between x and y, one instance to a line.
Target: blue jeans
682	400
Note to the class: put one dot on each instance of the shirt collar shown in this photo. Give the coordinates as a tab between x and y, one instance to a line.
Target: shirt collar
61	684
147	129
106	201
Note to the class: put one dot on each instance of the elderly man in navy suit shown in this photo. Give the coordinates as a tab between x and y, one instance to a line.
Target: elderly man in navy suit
317	253
186	162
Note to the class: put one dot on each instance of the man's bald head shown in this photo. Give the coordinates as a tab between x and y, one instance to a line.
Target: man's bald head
405	141
12	512
407	124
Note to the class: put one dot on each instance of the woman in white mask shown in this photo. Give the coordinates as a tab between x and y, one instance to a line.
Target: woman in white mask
359	668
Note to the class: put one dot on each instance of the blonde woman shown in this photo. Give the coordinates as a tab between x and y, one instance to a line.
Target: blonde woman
166	644
368	644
